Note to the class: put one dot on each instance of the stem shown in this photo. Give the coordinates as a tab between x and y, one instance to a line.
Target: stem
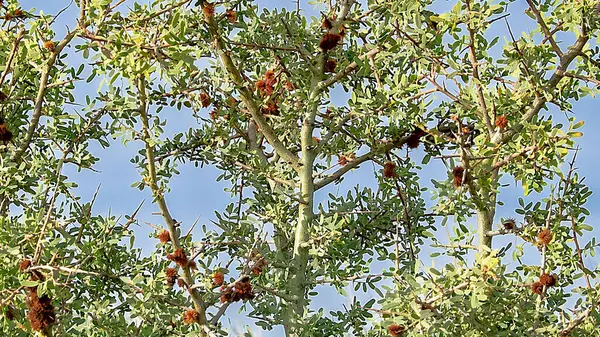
160	199
485	218
297	283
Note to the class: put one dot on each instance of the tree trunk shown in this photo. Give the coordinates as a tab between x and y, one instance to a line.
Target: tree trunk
485	219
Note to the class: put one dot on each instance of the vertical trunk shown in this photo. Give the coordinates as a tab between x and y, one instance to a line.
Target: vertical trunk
485	220
298	270
485	214
297	283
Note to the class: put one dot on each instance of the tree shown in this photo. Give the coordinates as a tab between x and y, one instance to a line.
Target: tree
424	88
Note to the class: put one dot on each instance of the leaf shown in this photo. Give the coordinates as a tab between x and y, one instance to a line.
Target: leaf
29	283
578	125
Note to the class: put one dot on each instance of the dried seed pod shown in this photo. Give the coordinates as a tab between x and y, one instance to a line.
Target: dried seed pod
330	66
41	311
415	138
537	287
330	41
5	134
389	170
204	100
171	276
544	237
509	224
458	176
218	278
548	280
208	9
191	316
164	236
49	45
396	330
178	257
24	265
501	122
231	16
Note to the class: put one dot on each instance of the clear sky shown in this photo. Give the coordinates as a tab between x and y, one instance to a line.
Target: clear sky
195	192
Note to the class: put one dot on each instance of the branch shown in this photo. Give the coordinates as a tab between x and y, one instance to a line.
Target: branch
579	255
350	68
262	46
450	291
350	278
475	64
541	100
577	321
11	57
504	232
160	199
359	160
583	78
247	96
39	100
544	27
512	156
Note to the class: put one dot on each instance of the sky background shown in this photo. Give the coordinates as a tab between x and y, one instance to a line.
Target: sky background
195	192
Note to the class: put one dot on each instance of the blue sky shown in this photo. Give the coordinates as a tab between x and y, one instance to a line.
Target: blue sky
195	192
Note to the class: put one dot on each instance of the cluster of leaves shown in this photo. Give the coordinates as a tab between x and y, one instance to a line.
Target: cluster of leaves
412	85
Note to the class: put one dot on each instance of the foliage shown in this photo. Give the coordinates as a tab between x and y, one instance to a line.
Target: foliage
286	106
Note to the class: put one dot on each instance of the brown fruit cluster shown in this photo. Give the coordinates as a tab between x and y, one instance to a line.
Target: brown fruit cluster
345	159
16	14
242	290
342	160
427	306
389	170
192	265
414	139
544	237
208	9
266	86
49	45
178	257
330	65
458	175
271	109
231	16
289	86
204	99
259	266
326	24
171	276
396	330
164	236
501	122
545	280
218	278
509	224
24	265
548	280
41	311
537	288
5	134
191	316
330	41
